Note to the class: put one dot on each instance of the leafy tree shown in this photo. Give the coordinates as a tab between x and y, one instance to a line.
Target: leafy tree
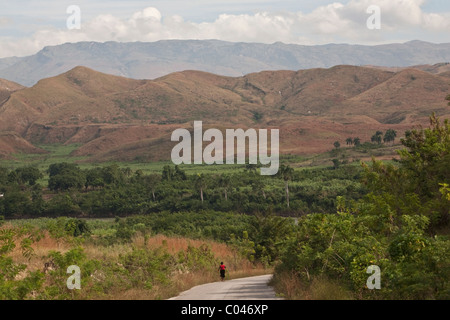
94	178
337	144
67	181
151	182
63	203
15	202
38	204
28	175
59	168
414	186
65	176
357	141
113	175
349	141
336	163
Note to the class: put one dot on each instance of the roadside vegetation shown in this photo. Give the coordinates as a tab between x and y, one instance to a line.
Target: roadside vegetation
401	225
118	258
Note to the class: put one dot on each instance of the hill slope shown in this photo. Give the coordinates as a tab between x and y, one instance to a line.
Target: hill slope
115	118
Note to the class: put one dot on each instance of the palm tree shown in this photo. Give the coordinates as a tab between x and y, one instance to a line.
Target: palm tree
200	184
286	172
349	141
377	137
258	187
152	182
224	182
390	136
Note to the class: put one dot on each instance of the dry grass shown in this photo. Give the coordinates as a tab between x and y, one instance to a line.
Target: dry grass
237	265
41	249
319	288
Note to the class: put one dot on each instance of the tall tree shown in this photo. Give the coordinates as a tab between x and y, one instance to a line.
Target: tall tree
286	173
224	181
258	187
200	184
377	137
152	182
390	136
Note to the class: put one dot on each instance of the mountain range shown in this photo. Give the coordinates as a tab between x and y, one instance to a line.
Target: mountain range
118	118
151	60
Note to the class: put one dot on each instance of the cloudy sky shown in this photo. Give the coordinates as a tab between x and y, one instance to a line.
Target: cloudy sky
26	26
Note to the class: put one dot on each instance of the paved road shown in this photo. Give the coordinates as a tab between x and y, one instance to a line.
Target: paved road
253	288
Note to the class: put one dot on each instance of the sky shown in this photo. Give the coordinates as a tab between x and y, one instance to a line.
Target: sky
26	26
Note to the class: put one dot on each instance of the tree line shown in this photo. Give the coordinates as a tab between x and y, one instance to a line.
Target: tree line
378	137
113	190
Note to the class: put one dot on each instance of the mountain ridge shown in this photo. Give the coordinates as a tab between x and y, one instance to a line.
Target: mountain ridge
152	60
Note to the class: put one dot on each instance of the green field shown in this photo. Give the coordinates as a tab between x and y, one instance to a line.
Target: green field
58	153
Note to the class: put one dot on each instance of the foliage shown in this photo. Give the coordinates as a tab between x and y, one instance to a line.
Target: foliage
65	176
113	191
10	287
392	227
414	186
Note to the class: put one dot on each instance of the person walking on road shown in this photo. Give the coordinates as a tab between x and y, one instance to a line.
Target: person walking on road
222	271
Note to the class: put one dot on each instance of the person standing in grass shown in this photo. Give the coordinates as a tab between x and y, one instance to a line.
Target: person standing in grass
222	271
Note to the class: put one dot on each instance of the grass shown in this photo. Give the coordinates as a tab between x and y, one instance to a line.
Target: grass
110	255
58	153
62	153
317	288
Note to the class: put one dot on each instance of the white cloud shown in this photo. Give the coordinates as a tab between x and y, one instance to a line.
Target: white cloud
336	22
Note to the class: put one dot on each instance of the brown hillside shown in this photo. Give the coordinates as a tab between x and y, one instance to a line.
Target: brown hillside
407	97
118	118
438	68
6	88
11	143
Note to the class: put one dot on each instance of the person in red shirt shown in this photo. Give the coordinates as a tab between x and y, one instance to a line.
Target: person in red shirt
222	271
